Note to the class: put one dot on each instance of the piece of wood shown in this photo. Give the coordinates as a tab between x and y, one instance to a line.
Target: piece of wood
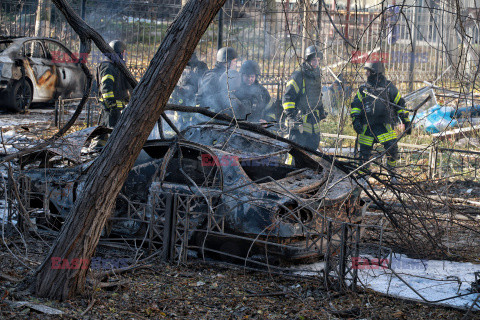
37	307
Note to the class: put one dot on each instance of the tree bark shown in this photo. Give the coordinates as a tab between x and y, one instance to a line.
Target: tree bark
81	231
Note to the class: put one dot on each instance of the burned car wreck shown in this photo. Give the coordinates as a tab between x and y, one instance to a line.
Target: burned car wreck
243	198
34	69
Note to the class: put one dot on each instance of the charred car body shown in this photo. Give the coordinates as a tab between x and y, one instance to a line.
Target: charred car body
37	70
239	178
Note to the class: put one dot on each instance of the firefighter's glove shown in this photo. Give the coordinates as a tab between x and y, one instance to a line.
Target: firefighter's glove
295	120
110	104
357	126
291	113
408	128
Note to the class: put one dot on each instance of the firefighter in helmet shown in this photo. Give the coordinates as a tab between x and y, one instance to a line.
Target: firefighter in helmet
374	111
249	99
302	101
114	88
209	89
187	86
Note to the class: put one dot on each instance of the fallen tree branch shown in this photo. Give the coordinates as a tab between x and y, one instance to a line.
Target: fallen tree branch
104	274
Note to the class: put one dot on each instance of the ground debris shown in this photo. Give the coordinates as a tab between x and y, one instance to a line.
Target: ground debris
36	307
205	291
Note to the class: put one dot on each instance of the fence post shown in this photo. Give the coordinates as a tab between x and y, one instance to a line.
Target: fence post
88	112
432	162
342	263
328	258
413	28
57	107
62	110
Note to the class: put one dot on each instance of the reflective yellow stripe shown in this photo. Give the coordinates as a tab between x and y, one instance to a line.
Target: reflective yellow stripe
307	127
108	95
355	111
397	98
359	96
120	104
392	163
288	105
289	159
387	136
108	76
366	140
303	88
272	115
294	84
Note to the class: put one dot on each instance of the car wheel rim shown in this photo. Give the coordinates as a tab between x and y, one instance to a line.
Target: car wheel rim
23	96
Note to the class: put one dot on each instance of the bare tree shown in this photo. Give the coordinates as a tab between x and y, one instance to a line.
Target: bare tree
81	232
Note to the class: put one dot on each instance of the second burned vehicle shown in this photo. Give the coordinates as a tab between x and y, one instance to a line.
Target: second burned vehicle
34	69
243	198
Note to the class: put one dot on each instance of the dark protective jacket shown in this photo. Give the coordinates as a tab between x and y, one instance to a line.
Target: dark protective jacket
209	89
114	89
187	86
254	100
373	111
303	97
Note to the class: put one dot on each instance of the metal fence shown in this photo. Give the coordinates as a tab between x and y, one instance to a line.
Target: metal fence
416	44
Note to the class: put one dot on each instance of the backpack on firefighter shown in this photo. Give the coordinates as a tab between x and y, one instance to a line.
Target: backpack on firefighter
376	104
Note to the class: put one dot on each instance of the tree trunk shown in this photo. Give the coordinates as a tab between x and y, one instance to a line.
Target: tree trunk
81	231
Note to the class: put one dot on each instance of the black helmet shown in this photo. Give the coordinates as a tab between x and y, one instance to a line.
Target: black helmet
250	67
313	52
375	67
118	46
226	54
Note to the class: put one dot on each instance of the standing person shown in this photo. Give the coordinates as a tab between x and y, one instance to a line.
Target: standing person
187	86
250	98
114	88
302	101
209	90
375	110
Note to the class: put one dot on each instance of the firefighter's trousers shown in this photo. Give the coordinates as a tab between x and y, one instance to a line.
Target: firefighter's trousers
379	133
306	139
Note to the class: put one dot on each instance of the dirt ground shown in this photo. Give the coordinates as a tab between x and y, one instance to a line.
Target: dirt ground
199	291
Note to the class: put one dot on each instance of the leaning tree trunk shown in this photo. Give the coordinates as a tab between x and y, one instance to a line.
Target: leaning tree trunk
81	232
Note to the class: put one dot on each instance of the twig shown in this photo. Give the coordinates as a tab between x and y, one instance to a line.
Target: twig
90	305
123	270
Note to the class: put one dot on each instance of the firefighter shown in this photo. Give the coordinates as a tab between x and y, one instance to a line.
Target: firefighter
114	88
250	98
187	86
209	91
374	111
302	101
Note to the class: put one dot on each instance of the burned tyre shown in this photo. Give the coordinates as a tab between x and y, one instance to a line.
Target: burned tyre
20	97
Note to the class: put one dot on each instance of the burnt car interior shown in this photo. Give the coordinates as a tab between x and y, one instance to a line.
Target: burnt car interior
34	49
186	164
